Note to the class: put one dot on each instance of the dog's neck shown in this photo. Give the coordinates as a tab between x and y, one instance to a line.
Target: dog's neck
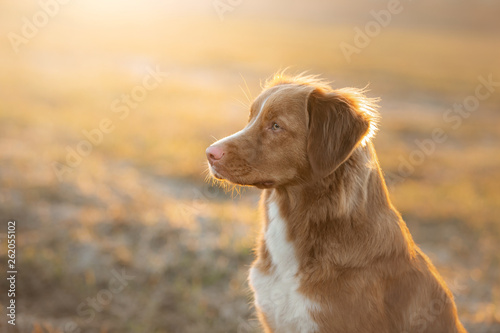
346	193
342	215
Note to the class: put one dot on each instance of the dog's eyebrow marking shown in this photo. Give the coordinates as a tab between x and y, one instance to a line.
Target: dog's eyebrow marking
260	111
262	106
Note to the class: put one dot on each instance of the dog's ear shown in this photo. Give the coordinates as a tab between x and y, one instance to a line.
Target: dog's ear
337	122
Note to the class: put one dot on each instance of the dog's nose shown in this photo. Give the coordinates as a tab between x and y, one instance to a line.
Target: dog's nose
214	153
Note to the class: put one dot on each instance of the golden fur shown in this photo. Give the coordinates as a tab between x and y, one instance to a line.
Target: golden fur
356	257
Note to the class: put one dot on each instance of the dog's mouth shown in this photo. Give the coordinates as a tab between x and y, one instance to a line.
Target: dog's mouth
220	175
215	173
263	185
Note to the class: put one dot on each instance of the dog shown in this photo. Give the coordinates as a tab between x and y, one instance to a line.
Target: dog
334	254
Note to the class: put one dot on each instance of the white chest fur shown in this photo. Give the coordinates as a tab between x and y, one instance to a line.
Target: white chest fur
276	293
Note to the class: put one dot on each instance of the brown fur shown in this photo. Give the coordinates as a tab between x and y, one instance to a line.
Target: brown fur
356	256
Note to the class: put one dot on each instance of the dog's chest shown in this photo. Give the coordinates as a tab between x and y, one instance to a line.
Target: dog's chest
276	292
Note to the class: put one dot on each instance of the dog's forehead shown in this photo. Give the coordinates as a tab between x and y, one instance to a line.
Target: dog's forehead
284	95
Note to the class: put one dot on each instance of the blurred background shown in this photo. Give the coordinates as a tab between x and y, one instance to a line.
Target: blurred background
106	108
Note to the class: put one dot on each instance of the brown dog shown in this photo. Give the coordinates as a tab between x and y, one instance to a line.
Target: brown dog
334	254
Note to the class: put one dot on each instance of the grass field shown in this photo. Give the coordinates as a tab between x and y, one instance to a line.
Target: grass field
134	209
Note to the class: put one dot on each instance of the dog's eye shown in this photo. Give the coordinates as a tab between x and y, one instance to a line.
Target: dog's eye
275	127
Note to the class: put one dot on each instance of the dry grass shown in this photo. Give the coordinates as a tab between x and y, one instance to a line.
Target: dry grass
139	202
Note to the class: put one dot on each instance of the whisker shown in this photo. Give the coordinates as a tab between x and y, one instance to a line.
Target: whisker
242	103
206	172
244	93
248	89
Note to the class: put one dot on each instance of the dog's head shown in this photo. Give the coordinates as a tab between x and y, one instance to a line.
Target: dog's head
299	129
